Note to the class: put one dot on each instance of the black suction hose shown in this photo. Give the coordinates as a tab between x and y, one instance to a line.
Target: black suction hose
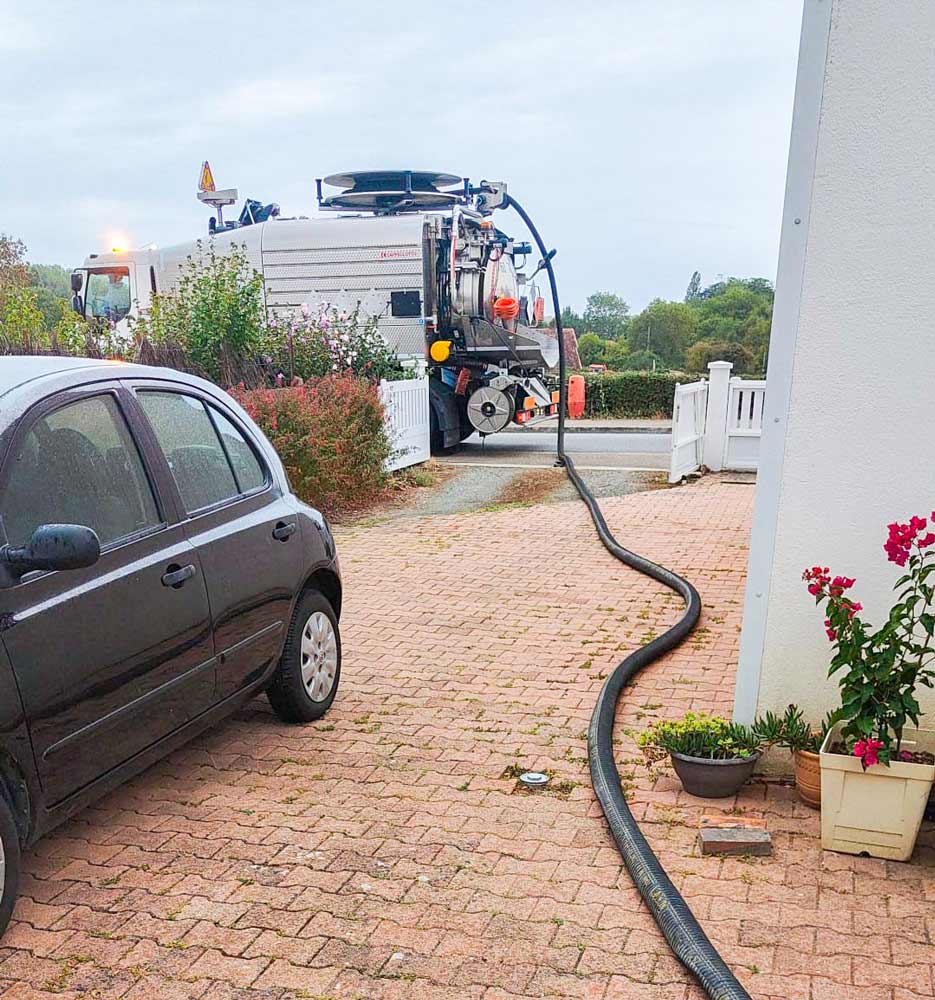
676	921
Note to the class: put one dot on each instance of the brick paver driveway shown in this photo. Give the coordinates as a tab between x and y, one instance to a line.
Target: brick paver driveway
388	854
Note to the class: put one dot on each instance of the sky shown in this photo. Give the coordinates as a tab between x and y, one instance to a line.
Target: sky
646	138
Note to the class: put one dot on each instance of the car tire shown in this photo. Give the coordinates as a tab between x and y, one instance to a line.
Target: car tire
306	680
9	863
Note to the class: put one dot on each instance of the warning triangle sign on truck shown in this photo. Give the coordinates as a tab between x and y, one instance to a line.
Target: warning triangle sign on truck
207	178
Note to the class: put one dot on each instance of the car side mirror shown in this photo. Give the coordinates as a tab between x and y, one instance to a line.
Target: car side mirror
53	546
77	280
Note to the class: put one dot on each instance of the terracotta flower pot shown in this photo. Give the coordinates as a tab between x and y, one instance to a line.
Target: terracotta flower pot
808	777
713	779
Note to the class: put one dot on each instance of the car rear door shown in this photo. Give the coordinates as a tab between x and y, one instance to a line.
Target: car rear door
245	529
111	658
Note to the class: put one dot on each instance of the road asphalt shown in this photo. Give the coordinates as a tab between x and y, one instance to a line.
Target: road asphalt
635	450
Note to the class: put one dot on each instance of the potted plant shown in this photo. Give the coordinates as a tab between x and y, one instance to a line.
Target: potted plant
711	756
876	769
803	741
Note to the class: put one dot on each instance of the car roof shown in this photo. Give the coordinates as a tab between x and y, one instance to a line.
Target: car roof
27	379
16	370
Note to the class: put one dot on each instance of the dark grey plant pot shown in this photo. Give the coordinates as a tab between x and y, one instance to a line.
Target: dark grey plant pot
713	779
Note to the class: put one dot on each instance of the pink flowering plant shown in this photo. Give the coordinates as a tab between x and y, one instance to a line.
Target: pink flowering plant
879	669
314	342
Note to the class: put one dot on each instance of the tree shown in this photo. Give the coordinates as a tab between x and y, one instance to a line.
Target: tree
21	324
738	312
591	349
664	328
646	361
570	319
606	314
617	355
53	291
14	271
702	352
694	287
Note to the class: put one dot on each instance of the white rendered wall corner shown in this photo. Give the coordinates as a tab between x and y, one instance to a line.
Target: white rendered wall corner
849	430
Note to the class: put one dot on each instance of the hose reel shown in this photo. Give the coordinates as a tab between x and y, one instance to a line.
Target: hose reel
489	409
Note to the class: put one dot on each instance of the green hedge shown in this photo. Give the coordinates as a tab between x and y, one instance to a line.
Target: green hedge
630	394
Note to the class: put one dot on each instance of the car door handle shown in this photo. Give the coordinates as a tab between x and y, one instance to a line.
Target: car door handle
283	530
175	575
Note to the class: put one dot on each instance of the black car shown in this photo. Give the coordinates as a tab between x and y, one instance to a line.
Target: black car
156	571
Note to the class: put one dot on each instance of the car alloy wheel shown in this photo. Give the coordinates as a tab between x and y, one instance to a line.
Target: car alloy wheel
319	650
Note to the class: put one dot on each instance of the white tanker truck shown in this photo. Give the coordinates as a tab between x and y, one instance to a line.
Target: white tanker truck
416	250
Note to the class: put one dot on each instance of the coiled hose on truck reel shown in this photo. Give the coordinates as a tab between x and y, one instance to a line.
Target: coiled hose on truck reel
681	930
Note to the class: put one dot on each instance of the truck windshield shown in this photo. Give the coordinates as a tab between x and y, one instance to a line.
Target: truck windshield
107	294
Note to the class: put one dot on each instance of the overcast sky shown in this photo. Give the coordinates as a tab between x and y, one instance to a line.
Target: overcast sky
647	138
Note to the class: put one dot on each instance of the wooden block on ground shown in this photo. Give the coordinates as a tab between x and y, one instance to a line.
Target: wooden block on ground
755	841
723	821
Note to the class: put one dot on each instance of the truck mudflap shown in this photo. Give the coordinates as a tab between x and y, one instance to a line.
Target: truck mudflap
444	416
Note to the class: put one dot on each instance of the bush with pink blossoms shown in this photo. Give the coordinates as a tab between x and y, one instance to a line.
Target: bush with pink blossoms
322	341
879	670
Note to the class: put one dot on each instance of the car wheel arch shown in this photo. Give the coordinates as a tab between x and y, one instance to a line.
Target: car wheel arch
327	583
15	790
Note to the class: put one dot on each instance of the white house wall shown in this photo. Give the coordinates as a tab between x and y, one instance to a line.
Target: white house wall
849	429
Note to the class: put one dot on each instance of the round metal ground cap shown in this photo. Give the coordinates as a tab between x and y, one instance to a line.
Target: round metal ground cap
534	779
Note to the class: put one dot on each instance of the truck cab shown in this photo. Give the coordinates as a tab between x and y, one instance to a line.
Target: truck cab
114	287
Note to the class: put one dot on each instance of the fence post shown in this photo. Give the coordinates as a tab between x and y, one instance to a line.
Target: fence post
715	432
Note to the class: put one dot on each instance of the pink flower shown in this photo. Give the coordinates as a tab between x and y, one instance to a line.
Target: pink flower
867	751
901	538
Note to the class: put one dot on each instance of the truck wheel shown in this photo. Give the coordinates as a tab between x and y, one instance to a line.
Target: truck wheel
306	679
9	864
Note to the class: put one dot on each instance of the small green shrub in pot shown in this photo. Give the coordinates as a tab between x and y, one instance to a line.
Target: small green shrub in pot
803	741
712	757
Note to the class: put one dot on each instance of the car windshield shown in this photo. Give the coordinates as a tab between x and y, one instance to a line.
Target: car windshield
107	295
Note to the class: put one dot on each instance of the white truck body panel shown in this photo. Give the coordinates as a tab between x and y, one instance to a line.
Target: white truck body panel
331	262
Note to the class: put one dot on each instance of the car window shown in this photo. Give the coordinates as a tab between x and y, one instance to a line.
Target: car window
192	448
247	469
78	465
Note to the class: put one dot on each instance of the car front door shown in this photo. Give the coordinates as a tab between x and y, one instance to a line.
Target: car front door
113	657
244	528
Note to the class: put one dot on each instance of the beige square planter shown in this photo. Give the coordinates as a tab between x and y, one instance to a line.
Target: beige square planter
877	811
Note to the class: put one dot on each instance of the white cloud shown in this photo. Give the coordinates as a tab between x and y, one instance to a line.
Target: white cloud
17	34
280	98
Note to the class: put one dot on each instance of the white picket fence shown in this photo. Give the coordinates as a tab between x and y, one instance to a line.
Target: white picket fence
406	408
688	423
717	423
744	424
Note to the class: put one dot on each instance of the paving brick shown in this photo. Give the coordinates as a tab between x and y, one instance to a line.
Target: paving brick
381	854
238	971
281	974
